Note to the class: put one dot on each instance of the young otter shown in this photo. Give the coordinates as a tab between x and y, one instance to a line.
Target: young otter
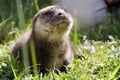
50	31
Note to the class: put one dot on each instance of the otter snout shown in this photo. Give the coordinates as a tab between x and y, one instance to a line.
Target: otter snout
60	14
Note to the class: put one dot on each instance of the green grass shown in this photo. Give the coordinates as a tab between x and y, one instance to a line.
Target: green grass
102	61
100	46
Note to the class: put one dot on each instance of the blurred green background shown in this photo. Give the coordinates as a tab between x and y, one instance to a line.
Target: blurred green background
9	17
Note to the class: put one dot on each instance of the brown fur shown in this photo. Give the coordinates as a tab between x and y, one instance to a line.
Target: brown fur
53	48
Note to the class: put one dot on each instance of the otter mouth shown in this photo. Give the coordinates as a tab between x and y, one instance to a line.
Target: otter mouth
62	23
58	26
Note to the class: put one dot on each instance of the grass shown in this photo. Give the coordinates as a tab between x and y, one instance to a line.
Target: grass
100	46
102	60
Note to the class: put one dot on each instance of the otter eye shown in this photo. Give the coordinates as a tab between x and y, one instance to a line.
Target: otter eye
50	13
65	10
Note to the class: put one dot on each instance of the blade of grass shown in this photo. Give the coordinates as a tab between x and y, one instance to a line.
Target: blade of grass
36	5
25	58
75	33
33	57
14	72
20	14
114	72
3	22
76	40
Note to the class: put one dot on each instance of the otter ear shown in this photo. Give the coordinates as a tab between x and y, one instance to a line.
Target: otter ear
34	19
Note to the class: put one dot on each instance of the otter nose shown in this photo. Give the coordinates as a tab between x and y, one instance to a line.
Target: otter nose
60	14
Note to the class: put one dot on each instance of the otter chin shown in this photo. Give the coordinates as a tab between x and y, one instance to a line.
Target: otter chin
50	31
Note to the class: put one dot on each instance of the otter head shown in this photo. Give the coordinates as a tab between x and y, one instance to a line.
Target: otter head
52	22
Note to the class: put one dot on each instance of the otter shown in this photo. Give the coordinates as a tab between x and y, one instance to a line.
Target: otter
50	31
